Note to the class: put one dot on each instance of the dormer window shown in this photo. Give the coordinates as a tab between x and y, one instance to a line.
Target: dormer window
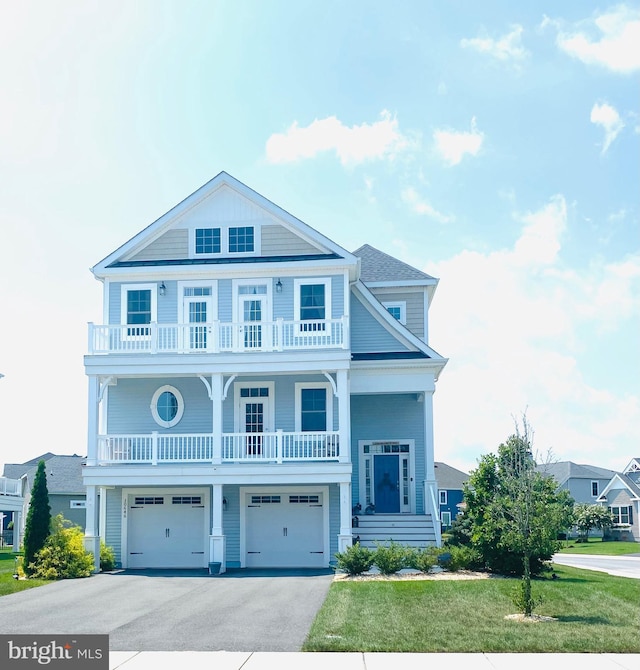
398	310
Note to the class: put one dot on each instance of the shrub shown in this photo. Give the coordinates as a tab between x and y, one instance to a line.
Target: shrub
390	558
355	559
523	599
63	555
423	559
463	558
38	524
107	557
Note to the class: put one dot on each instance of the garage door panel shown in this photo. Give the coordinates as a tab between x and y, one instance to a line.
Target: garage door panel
285	531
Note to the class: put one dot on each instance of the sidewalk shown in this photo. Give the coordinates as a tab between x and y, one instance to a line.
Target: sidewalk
237	660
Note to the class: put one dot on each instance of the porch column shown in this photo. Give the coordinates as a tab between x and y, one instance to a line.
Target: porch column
216	418
93	416
344	418
91	537
217	540
345	539
431	499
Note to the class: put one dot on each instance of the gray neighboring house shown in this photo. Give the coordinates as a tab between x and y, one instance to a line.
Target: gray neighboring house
584	482
450	492
64	484
621	496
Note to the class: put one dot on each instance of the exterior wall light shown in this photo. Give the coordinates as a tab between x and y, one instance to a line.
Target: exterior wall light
224	504
162	289
278	286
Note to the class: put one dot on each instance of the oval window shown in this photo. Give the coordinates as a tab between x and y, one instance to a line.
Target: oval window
167	406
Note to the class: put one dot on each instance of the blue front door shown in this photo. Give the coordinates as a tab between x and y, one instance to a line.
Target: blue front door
386	481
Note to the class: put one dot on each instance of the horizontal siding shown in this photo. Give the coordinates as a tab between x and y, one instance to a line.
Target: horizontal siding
334	520
414	306
279	241
174	244
231	524
388	417
113	535
368	335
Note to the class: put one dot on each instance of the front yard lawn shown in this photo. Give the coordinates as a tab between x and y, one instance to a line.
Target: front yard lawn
597	546
7	569
596	613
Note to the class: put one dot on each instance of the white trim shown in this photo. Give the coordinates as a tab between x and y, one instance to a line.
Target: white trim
286	490
440	497
443	514
312	281
298	402
597	483
124	290
402	306
154	406
270	401
236	317
195	283
224	229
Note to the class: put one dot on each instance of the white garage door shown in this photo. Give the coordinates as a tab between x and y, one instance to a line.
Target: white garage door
285	530
165	531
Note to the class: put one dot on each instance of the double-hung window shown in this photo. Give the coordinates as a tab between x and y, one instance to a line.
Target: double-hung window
314	408
312	303
622	516
138	309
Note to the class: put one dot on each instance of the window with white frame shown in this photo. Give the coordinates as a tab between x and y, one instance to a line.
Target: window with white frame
312	303
78	504
595	489
138	308
398	310
207	241
443	497
241	239
313	407
167	406
445	519
219	240
622	516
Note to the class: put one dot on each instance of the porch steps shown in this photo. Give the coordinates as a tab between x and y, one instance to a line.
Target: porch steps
414	530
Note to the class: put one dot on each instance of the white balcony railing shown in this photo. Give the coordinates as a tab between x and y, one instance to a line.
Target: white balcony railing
276	447
218	337
10	487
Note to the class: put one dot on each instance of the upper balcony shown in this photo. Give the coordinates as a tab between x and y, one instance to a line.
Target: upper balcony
218	337
10	487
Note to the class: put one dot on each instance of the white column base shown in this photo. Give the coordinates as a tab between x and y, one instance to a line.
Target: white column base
92	544
218	552
344	542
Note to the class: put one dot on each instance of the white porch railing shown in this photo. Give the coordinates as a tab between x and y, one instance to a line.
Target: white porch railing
277	447
10	487
218	337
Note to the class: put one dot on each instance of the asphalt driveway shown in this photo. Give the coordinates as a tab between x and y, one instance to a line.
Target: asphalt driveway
620	566
265	610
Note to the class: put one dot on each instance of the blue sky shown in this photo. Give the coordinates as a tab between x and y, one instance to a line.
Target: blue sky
493	145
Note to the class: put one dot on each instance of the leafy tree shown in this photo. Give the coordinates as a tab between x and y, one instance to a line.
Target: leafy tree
591	516
38	524
516	512
63	555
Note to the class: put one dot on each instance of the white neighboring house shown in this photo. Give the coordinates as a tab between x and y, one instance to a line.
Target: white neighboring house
252	387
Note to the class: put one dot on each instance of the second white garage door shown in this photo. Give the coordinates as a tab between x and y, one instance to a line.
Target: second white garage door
285	530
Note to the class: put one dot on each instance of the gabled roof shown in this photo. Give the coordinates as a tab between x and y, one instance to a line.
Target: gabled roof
563	471
64	473
633	465
326	248
448	477
620	481
380	267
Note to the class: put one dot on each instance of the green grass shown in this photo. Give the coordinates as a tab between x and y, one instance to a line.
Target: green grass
596	613
7	582
600	548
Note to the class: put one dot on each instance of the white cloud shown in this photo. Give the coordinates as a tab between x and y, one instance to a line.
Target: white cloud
352	144
453	145
607	116
506	48
610	40
419	206
511	323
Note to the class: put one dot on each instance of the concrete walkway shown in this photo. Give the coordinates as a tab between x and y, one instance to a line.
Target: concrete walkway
238	660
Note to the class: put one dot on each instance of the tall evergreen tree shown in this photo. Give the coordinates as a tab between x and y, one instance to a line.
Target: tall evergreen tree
38	525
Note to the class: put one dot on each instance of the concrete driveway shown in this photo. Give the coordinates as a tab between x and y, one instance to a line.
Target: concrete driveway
264	610
620	566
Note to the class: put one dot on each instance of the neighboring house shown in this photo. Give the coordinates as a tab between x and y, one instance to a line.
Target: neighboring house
252	388
64	485
450	492
621	496
584	483
11	506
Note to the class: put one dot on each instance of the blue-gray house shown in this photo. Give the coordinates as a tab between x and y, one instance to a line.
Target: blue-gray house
450	492
252	386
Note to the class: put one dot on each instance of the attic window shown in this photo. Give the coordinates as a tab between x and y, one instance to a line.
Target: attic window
208	240
241	240
398	310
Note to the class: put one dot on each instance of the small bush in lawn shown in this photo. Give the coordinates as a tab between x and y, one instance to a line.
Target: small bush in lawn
107	557
63	555
355	559
389	558
423	559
